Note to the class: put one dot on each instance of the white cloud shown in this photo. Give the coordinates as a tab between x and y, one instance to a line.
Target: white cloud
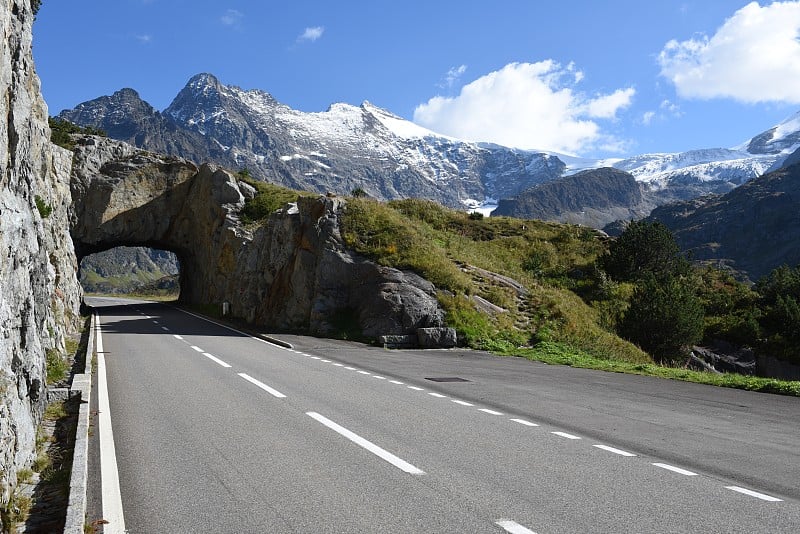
527	105
648	117
311	34
452	76
753	57
144	38
232	17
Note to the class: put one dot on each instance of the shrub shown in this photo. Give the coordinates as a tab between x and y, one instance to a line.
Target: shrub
45	209
643	248
664	318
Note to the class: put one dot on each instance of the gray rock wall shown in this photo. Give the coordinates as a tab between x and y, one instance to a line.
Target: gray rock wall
39	293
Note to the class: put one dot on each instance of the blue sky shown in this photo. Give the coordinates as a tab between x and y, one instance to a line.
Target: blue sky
597	79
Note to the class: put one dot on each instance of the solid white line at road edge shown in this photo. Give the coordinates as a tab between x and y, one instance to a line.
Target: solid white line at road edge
513	527
371	447
109	476
262	385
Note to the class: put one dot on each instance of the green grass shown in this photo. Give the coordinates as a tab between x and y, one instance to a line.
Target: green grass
268	198
560	354
57	366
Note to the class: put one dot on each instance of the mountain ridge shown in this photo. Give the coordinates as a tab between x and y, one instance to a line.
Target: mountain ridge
365	147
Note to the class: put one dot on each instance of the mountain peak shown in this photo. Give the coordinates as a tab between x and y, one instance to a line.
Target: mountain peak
203	80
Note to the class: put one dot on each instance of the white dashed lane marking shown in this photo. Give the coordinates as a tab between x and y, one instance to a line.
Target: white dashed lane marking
675	469
513	527
368	445
523	422
271	391
463	403
490	412
565	435
215	359
615	451
755	494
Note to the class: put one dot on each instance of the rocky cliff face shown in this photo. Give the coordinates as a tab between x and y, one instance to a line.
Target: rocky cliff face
39	293
753	229
292	273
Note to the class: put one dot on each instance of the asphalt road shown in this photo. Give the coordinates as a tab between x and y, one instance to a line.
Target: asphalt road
216	431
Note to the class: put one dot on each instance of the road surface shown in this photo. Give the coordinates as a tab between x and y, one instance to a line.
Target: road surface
216	431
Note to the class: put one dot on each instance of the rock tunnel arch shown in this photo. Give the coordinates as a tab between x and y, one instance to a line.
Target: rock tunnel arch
293	273
123	196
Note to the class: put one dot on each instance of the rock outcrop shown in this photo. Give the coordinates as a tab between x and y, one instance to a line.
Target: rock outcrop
39	293
595	197
292	273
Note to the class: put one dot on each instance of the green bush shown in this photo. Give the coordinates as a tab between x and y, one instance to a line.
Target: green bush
665	317
45	209
644	248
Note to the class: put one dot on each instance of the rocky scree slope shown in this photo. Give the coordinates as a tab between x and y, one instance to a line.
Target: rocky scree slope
39	292
293	273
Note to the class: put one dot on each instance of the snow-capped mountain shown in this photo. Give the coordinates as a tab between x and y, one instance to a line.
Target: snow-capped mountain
343	148
349	147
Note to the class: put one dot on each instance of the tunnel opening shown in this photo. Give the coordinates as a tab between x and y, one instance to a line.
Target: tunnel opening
131	270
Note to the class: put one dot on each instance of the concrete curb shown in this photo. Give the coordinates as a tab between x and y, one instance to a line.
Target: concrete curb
81	385
275	341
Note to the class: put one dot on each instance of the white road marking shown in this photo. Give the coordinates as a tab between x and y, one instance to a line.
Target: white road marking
438	395
463	403
524	422
316	358
397	382
165	329
351	368
490	412
565	435
368	445
379	377
325	361
271	391
615	451
513	527
176	336
675	469
215	359
415	388
109	475
198	349
155	322
755	494
364	372
339	364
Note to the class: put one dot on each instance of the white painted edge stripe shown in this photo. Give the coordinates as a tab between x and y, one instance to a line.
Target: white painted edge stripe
368	445
524	422
463	403
198	349
565	435
165	329
379	377
339	364
437	395
397	382
615	451
109	474
325	361
351	368
271	391
215	359
316	358
415	388
490	412
364	372
755	494
245	334
513	527
176	336
675	469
